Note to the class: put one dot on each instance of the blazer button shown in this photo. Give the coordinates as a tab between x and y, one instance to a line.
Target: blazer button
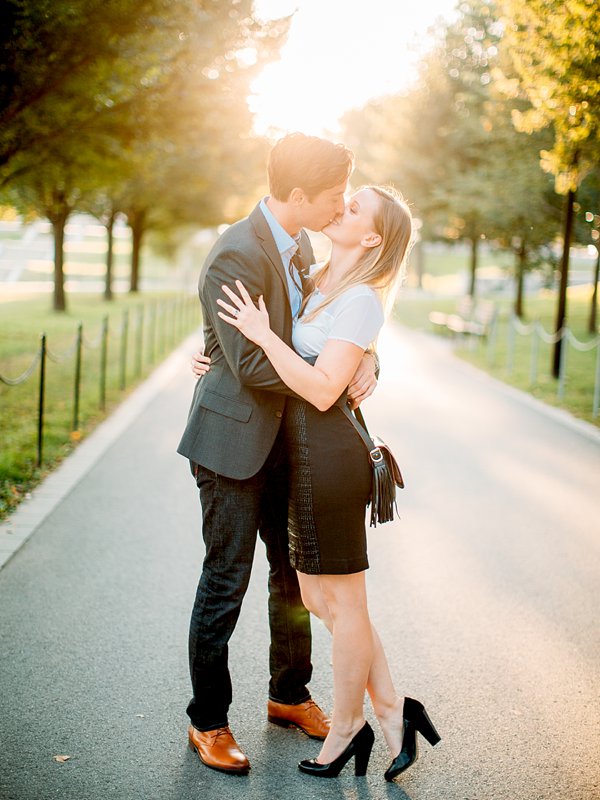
279	414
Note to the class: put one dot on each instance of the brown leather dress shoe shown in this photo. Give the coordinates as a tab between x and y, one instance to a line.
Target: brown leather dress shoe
306	716
218	750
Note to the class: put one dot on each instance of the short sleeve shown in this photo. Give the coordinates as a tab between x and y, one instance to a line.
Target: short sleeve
357	319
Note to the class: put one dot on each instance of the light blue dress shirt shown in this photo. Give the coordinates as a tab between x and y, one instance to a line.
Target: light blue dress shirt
287	246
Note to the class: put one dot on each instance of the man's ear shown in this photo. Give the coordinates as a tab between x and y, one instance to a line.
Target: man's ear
297	196
371	240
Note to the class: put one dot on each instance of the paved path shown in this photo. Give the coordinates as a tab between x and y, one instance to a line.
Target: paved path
486	595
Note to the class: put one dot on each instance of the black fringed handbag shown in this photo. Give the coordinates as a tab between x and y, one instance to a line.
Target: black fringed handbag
386	472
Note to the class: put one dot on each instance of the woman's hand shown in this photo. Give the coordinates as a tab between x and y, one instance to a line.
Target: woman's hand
200	364
242	314
364	382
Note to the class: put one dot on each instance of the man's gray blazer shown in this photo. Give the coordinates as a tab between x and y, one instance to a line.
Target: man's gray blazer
238	405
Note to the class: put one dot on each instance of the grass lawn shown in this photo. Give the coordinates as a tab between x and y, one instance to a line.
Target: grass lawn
155	324
514	364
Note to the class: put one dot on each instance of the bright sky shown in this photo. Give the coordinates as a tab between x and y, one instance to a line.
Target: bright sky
340	53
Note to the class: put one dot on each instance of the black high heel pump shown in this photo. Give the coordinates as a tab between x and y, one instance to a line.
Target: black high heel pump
415	719
360	747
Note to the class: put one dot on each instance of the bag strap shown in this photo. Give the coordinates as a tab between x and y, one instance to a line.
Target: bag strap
359	416
359	424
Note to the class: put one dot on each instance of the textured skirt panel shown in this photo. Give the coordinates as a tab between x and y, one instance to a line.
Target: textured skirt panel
330	480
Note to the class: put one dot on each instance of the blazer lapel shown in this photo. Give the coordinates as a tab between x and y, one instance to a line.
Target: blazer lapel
263	232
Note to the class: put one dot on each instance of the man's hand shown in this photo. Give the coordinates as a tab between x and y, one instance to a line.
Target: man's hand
364	382
200	364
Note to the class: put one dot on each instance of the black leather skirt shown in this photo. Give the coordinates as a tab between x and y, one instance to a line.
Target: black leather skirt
330	480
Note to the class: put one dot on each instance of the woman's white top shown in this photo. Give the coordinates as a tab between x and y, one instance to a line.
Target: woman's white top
355	316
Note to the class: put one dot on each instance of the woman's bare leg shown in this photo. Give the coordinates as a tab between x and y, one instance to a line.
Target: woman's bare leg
313	599
346	599
387	704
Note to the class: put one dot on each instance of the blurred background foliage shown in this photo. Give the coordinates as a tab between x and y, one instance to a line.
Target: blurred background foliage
132	107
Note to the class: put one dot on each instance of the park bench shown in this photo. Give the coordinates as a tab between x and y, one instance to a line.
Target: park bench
472	318
440	319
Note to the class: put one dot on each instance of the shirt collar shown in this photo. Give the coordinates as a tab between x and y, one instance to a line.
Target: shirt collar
284	242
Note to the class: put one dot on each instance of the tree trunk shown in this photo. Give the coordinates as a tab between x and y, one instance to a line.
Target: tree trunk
109	225
521	264
561	311
592	325
137	222
59	221
473	265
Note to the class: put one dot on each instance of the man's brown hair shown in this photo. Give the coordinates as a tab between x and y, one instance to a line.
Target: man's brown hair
308	163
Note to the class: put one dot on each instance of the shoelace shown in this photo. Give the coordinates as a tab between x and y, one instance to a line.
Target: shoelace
221	732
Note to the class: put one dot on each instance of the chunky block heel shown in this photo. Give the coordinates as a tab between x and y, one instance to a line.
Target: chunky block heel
362	755
427	729
416	719
360	747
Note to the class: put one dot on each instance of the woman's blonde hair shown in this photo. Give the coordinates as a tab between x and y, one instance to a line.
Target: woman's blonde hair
381	267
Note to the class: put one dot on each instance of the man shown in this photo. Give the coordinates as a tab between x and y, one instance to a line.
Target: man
233	442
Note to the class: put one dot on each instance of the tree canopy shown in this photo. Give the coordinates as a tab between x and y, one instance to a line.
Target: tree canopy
142	103
555	51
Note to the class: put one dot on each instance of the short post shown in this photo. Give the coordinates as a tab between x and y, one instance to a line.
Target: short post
535	347
103	362
511	346
77	386
152	332
162	331
562	368
140	341
596	402
42	396
123	356
173	332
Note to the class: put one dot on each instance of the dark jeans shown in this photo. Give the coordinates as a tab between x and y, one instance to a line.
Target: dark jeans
232	513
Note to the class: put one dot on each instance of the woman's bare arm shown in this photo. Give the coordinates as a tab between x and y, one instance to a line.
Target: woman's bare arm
321	384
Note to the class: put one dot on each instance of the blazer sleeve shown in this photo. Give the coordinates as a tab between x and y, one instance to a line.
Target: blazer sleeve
245	359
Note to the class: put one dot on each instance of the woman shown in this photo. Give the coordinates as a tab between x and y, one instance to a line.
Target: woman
329	469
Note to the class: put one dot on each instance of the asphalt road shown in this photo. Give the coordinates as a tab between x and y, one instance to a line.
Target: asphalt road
486	594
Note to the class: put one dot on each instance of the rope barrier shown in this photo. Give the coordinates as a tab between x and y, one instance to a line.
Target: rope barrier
93	344
521	328
541	335
60	358
138	333
548	338
583	347
553	338
23	377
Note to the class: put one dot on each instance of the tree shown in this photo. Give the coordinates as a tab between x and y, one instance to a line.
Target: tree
524	212
156	89
556	55
469	54
587	231
435	144
198	154
106	210
64	65
54	191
